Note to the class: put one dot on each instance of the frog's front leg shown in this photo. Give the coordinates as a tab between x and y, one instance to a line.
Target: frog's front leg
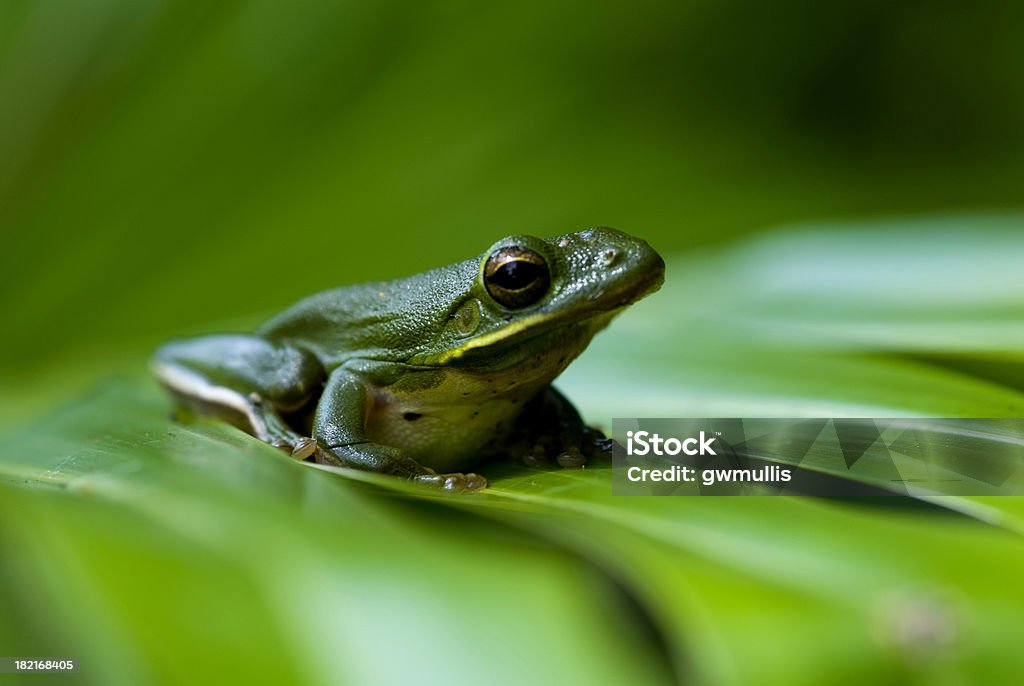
339	428
244	380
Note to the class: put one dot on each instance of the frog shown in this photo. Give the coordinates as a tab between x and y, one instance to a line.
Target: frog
430	376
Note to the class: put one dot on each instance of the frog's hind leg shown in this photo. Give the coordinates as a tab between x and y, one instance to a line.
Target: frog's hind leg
246	381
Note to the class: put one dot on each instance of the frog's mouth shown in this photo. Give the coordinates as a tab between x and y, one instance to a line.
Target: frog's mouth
568	330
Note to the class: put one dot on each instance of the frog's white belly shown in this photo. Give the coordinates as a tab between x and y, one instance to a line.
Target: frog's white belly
454	424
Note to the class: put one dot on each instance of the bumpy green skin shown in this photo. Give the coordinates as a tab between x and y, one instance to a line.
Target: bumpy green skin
419	374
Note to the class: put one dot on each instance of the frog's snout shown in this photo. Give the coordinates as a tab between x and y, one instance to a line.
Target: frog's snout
624	268
651	271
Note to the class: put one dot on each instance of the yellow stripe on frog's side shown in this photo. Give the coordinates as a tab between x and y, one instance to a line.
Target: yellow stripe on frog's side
488	339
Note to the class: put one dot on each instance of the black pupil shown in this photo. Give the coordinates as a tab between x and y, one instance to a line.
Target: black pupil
517	274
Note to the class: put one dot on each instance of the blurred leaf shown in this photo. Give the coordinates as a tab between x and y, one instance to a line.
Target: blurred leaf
829	321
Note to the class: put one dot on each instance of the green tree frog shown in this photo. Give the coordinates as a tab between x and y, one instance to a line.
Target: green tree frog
424	377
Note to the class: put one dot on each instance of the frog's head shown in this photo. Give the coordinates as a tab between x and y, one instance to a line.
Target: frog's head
534	304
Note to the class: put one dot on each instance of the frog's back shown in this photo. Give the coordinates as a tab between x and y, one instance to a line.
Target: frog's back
386	320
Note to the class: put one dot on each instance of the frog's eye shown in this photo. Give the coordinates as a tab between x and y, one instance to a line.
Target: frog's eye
516	277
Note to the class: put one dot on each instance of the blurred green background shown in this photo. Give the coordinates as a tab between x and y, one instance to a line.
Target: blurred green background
171	167
168	164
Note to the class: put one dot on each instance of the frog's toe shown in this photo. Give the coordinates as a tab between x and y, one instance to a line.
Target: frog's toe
304	448
475	482
299	447
571	459
454	483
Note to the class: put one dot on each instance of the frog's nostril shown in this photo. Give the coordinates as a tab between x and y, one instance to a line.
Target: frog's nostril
609	257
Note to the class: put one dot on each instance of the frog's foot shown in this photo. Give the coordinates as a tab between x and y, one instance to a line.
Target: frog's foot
299	447
269	427
454	483
567	457
382	459
571	459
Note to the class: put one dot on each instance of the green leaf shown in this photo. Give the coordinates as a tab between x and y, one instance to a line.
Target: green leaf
169	553
152	546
